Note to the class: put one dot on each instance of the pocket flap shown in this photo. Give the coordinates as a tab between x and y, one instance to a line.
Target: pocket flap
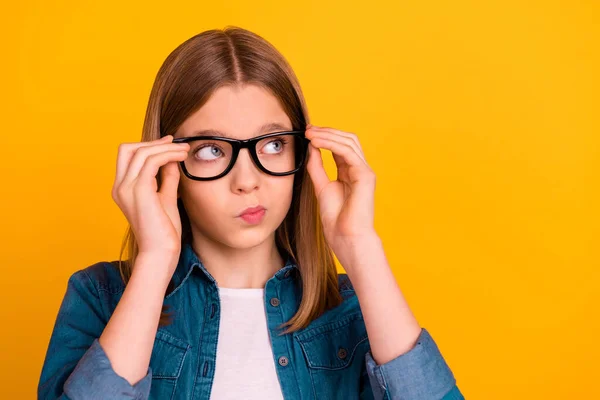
167	356
332	346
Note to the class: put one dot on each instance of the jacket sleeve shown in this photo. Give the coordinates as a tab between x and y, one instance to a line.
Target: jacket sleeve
76	366
419	374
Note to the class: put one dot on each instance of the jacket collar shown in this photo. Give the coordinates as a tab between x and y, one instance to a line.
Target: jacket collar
189	261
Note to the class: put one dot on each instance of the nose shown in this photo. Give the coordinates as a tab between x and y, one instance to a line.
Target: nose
245	175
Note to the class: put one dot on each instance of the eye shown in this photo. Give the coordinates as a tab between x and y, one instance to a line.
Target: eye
208	152
275	146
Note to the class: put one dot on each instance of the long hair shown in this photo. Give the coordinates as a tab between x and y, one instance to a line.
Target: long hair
184	83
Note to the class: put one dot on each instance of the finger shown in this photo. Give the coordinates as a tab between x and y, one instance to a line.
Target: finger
315	169
169	180
337	138
336	135
345	152
141	154
126	152
348	135
153	163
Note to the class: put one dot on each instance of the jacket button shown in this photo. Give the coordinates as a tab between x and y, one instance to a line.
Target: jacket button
274	301
283	361
342	353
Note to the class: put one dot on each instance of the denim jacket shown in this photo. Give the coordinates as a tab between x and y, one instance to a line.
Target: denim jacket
329	359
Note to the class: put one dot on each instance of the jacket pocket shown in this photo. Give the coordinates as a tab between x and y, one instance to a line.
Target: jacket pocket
335	356
166	361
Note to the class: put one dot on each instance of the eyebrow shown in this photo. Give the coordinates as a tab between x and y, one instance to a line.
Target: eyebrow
270	126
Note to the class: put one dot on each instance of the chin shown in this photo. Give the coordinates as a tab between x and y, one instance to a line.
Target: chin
247	238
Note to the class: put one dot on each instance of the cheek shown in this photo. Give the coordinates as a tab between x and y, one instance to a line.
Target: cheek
281	191
203	202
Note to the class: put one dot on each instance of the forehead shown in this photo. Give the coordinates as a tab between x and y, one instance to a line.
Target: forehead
237	112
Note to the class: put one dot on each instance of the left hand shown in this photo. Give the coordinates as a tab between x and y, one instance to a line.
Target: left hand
346	204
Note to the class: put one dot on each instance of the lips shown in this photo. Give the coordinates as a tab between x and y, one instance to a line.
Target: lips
251	210
253	215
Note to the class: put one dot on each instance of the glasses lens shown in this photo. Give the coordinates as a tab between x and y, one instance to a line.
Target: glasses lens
208	158
280	153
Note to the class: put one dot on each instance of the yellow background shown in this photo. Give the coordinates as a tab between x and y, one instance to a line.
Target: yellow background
480	118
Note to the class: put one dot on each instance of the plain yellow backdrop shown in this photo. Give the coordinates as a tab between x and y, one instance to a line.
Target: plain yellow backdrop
480	118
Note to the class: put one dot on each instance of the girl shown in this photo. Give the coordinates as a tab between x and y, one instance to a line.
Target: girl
230	290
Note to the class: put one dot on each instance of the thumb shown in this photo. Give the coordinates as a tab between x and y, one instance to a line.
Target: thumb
170	180
315	168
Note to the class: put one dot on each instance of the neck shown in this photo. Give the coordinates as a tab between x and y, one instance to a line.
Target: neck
239	268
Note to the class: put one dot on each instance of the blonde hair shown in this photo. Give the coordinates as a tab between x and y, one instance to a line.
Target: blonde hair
184	82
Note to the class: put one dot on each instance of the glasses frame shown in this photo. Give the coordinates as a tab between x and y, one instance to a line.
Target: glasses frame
249	144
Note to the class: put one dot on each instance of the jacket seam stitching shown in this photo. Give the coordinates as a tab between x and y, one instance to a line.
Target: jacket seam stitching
97	294
312	366
305	336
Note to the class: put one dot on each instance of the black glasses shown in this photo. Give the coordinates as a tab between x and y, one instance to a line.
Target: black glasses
212	157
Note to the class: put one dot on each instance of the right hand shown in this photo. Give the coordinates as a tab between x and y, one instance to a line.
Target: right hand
152	213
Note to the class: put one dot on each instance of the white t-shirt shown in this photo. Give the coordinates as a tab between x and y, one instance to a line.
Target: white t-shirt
245	367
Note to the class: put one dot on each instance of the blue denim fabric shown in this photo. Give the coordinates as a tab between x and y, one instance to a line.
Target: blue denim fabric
309	362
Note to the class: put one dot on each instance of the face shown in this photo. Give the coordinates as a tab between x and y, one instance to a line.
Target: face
214	206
